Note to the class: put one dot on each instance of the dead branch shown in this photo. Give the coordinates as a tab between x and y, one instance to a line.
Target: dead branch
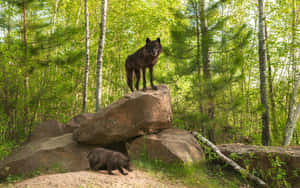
227	160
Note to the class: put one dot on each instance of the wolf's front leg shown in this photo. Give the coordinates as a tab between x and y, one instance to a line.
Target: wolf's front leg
122	171
151	78
144	79
137	74
109	169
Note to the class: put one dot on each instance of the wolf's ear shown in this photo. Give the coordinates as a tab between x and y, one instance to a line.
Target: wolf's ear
158	39
147	40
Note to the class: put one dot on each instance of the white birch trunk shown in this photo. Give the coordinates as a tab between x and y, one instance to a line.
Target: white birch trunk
293	114
294	108
54	15
100	54
87	56
78	14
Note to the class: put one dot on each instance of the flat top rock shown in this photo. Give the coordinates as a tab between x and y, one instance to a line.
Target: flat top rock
161	89
138	113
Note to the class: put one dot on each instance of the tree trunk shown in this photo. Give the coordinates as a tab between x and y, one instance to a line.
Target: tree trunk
100	54
87	56
196	10
270	84
262	70
26	77
8	28
293	114
293	58
78	13
293	107
210	108
55	14
195	5
24	30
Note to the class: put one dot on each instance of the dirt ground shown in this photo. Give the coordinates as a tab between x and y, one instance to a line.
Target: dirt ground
101	179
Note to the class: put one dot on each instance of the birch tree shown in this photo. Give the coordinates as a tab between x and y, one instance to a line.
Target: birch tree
294	112
55	15
294	109
101	43
87	56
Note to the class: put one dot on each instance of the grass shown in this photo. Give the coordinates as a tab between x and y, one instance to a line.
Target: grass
6	148
201	175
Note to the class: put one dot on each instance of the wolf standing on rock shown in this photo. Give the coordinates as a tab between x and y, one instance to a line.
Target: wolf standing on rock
145	57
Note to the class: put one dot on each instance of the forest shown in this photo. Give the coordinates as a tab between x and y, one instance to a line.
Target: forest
232	66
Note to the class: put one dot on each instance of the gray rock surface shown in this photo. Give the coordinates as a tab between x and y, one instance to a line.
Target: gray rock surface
60	152
135	114
170	145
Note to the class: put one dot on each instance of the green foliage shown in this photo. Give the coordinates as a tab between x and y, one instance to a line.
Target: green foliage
274	170
6	148
234	68
277	174
13	179
52	60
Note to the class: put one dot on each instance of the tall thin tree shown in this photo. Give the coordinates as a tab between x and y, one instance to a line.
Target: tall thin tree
87	56
270	84
294	108
210	109
293	116
100	54
195	6
262	71
24	61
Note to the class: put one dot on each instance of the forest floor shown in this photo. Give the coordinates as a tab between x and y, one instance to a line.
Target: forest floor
101	179
146	174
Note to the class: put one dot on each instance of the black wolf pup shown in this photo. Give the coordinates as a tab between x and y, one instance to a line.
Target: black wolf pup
104	159
145	57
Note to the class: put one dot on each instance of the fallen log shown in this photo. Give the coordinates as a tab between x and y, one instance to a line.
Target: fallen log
227	160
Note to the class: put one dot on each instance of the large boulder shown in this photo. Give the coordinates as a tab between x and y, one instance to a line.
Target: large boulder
76	121
170	145
61	152
47	129
135	114
276	163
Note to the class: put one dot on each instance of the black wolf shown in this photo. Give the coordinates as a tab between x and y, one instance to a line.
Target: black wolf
104	159
145	57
